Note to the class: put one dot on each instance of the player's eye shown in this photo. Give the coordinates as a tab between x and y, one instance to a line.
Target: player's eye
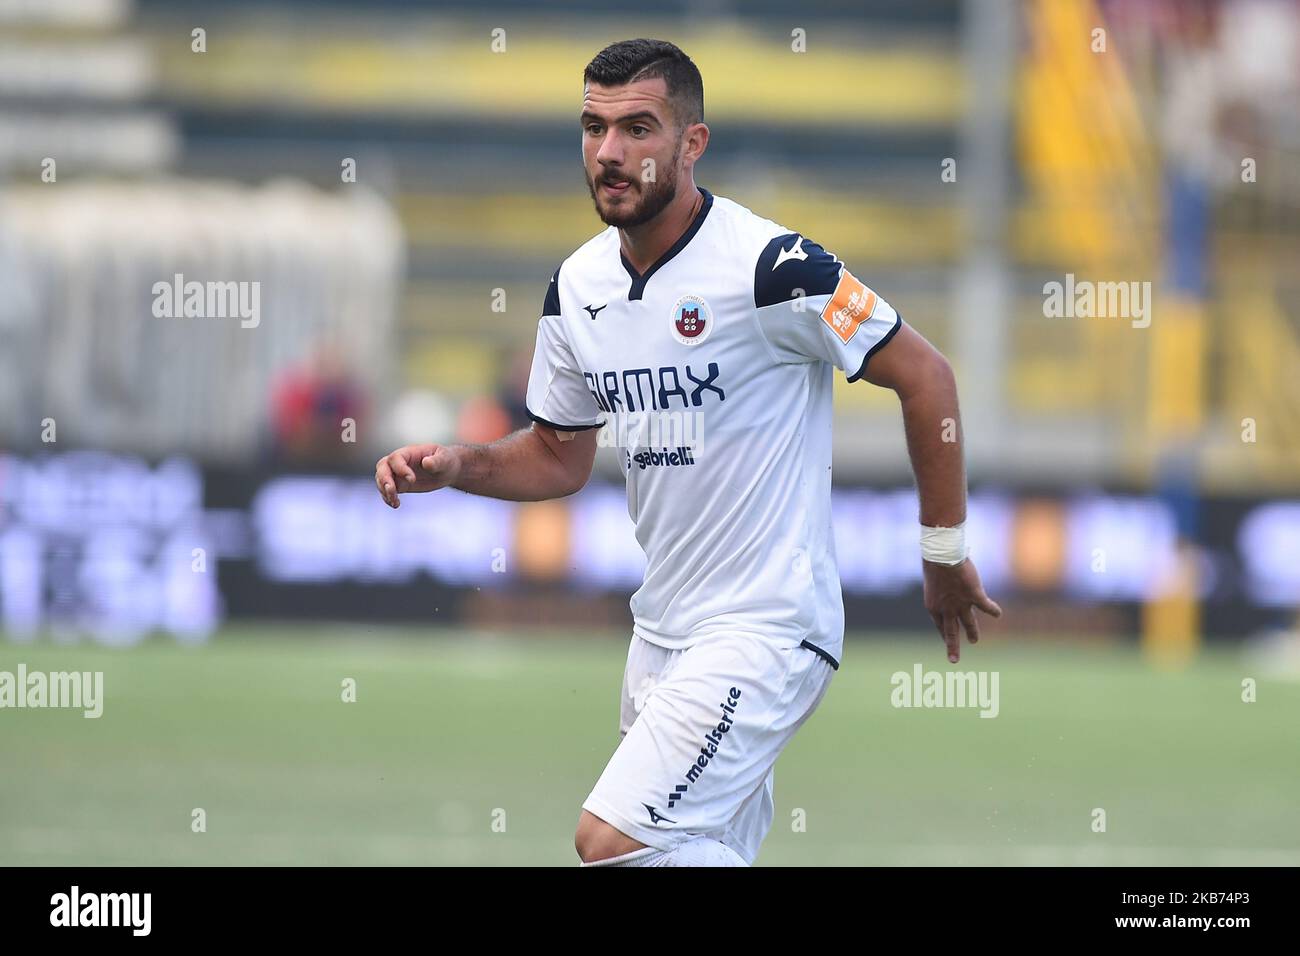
593	129
639	130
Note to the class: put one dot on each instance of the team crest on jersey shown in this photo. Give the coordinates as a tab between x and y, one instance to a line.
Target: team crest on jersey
692	320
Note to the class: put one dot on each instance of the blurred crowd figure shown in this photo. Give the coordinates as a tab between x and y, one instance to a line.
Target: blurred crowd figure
1224	76
317	409
486	418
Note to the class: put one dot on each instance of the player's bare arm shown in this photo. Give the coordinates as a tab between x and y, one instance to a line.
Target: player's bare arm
927	391
531	464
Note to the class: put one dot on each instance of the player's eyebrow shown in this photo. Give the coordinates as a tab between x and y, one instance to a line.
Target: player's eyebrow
587	116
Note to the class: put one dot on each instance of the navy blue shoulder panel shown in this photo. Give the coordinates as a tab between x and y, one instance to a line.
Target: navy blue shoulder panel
793	266
551	306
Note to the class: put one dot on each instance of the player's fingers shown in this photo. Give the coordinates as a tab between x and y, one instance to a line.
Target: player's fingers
401	468
952	637
394	465
987	604
972	626
384	482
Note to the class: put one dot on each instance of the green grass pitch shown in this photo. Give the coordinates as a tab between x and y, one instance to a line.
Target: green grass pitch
479	749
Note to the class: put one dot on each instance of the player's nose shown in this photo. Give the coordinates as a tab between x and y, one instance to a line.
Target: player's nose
610	152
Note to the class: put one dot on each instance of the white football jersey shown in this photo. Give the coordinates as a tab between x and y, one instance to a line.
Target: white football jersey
713	372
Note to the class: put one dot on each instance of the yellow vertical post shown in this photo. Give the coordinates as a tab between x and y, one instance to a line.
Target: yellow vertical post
1171	617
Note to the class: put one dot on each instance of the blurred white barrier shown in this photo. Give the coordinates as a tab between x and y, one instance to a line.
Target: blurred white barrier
93	337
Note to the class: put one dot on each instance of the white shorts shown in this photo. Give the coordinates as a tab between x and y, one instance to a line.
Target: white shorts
702	727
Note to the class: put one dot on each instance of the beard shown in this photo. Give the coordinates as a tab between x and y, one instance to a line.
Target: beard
653	197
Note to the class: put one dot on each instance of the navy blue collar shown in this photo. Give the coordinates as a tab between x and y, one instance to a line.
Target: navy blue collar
639	280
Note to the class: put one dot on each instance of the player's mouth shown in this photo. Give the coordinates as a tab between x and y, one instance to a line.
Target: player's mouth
616	187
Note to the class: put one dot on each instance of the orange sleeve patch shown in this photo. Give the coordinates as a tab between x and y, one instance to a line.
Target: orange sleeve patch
851	305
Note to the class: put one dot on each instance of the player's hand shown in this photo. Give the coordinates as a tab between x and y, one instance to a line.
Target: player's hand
415	468
952	594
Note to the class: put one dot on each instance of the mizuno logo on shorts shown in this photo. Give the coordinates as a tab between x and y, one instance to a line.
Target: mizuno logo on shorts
656	816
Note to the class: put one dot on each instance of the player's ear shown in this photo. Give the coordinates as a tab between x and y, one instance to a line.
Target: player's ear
696	142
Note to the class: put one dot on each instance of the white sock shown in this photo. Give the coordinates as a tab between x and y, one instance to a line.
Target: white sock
700	851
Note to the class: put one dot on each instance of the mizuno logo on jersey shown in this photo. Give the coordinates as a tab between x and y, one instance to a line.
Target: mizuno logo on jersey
651	389
794	252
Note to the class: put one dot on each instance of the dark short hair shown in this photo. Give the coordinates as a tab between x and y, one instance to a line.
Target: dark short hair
630	60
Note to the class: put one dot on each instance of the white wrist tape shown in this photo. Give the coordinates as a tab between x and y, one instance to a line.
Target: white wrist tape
944	545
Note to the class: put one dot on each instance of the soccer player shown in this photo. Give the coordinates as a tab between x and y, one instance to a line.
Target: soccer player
692	314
